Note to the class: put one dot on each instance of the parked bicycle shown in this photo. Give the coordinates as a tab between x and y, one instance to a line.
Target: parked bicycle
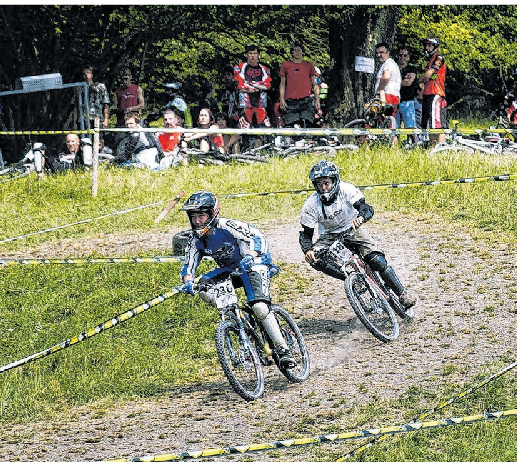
375	115
373	302
484	141
244	347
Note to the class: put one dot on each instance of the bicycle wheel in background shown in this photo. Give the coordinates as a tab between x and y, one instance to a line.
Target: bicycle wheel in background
371	307
239	361
359	124
294	338
452	149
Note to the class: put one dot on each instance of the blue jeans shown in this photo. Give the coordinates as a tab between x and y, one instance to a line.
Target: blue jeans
406	114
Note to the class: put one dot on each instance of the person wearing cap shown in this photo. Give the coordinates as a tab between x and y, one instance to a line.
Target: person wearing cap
432	83
128	99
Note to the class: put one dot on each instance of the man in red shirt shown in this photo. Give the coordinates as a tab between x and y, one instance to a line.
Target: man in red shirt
128	99
297	83
171	141
434	105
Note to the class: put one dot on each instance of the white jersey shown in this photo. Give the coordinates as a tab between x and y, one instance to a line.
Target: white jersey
395	81
336	217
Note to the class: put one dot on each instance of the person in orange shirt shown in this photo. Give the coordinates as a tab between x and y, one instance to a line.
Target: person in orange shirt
432	84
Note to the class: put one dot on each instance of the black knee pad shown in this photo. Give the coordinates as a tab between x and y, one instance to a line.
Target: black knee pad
376	261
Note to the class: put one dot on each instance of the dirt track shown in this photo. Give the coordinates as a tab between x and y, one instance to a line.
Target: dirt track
465	318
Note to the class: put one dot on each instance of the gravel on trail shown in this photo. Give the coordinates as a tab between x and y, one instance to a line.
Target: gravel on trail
465	319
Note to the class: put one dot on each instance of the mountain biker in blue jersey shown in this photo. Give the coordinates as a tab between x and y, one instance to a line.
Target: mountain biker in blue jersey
240	250
337	206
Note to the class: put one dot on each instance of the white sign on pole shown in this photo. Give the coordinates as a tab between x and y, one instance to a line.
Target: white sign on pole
366	65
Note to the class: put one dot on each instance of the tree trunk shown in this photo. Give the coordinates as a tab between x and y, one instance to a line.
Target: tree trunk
351	36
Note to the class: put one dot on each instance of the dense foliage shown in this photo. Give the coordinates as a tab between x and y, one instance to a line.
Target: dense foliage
194	43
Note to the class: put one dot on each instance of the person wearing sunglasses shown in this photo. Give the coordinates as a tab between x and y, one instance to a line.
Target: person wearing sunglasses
406	115
129	99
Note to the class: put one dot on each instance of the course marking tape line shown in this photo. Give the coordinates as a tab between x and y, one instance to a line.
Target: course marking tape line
80	261
94	331
120	212
330	438
504	177
277	131
426	414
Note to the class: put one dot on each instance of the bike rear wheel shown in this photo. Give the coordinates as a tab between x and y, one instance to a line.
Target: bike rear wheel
371	308
453	149
239	361
294	338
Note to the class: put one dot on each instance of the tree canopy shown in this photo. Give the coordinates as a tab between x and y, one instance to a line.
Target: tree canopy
194	43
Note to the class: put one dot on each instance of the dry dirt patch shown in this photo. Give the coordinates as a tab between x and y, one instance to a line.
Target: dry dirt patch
465	319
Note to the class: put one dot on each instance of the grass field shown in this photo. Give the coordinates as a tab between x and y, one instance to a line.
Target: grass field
172	343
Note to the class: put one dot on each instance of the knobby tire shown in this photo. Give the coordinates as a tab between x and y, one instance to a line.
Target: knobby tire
371	308
240	363
452	149
294	338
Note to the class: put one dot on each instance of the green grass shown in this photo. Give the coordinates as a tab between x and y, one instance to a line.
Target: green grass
172	343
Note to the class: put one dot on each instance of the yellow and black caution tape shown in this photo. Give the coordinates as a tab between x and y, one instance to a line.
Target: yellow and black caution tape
426	414
504	177
80	261
277	131
120	212
330	438
94	331
45	132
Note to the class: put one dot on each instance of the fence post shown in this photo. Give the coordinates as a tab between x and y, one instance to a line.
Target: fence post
95	163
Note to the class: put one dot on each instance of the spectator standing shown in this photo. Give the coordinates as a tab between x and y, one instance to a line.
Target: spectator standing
229	97
98	100
408	92
171	142
253	81
128	99
297	84
388	81
222	122
434	104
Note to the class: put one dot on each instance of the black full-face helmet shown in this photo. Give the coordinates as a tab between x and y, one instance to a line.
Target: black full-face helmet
433	41
199	202
322	169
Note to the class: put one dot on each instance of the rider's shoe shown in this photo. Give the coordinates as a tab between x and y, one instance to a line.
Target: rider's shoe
408	301
285	358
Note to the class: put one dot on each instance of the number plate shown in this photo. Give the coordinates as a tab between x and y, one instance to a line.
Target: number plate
340	252
223	294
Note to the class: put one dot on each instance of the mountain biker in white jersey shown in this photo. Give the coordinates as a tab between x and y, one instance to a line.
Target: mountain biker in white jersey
235	246
337	206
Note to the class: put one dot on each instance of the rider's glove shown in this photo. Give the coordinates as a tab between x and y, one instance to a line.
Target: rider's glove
188	287
247	262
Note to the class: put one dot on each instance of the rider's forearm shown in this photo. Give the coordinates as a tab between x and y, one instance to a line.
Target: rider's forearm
305	239
365	210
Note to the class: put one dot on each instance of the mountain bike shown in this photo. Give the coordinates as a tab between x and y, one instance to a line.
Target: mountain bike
244	347
285	147
483	141
17	170
375	115
373	302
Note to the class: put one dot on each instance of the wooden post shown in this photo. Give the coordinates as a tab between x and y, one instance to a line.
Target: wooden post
95	163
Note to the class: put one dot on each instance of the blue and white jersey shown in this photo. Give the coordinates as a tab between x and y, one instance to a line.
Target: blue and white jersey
228	243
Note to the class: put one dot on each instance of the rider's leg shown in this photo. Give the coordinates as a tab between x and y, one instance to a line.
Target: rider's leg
257	287
378	263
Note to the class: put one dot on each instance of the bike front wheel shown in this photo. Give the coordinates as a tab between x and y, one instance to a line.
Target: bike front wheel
371	307
294	338
239	361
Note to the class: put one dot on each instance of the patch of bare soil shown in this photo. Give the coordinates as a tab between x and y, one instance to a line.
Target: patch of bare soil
465	318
